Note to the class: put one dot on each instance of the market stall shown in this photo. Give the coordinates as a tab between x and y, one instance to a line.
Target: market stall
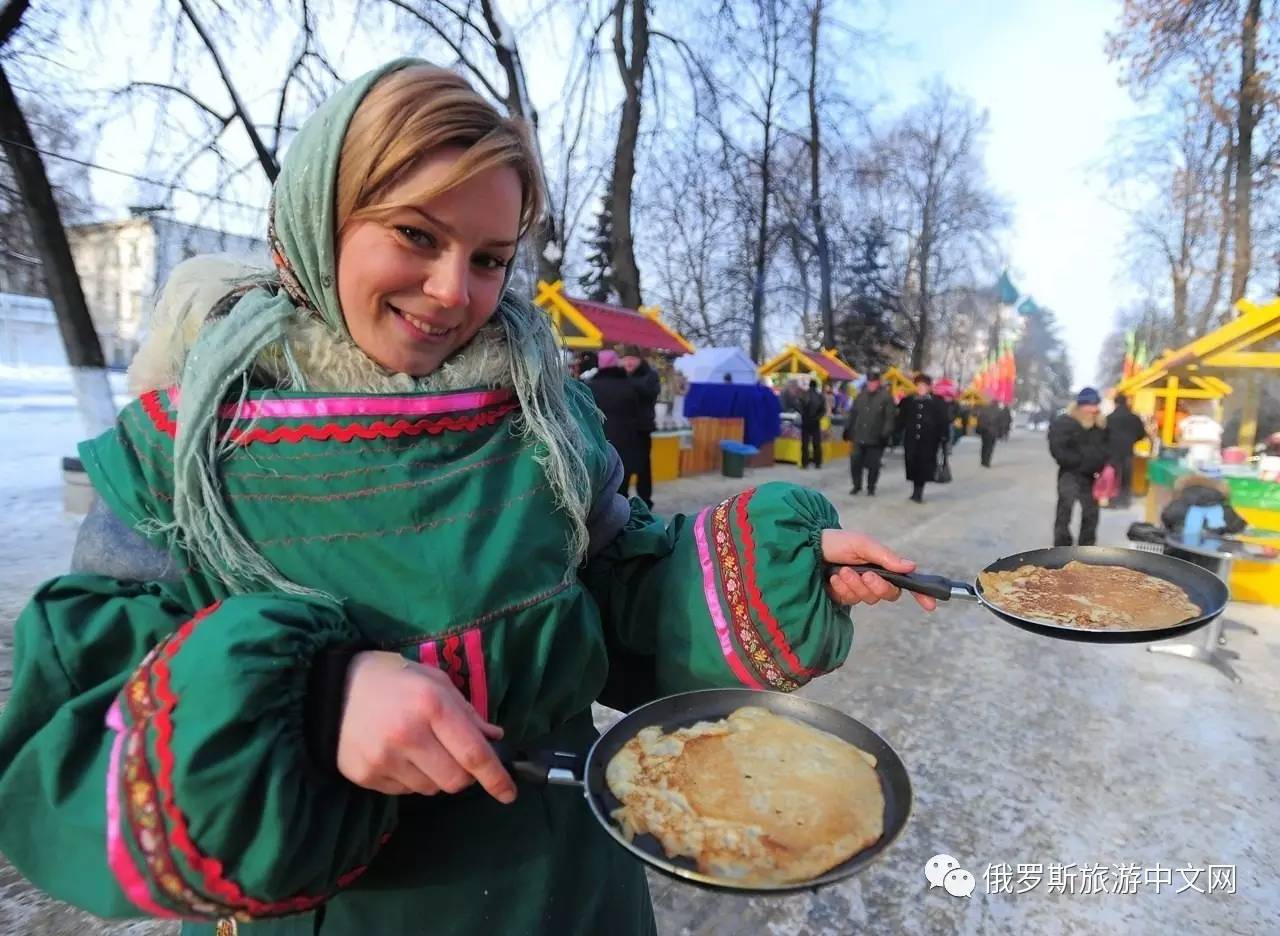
585	325
1197	374
800	365
1194	377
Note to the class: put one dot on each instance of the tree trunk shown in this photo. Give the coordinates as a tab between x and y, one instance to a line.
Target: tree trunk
84	351
546	239
1224	241
762	235
1179	276
626	272
1247	117
919	353
815	176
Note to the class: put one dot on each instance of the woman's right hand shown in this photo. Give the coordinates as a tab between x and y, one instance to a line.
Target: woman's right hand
406	729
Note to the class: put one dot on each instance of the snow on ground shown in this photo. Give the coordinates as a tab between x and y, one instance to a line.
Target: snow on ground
1021	749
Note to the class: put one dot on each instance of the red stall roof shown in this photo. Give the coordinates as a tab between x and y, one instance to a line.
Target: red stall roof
834	368
620	326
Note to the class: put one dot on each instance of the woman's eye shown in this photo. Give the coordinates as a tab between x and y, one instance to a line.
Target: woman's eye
490	262
416	236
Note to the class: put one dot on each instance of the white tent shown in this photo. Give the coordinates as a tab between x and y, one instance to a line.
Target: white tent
709	365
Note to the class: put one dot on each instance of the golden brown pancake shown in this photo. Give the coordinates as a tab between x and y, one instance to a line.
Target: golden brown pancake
1093	597
758	798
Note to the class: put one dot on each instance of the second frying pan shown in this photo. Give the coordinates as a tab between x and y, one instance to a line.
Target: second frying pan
688	708
1202	587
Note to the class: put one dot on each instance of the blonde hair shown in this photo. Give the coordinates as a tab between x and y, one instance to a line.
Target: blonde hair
418	109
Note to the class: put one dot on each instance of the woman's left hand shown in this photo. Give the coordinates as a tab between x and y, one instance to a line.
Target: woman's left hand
844	548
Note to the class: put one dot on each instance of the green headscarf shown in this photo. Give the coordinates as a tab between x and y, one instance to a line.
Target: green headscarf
301	238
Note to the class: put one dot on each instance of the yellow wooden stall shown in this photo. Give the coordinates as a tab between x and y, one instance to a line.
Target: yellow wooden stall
1196	371
823	364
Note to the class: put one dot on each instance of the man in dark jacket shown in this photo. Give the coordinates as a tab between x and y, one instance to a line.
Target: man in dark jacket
648	386
988	430
1078	443
619	400
869	426
1124	430
923	418
813	406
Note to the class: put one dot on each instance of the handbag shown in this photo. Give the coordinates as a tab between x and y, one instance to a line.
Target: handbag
1106	486
942	471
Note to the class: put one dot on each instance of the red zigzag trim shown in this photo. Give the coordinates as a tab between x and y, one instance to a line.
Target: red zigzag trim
211	869
321	432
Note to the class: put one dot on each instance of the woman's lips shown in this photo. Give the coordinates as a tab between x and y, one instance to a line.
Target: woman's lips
419	329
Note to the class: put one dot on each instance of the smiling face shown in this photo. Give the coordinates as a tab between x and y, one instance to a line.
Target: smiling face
417	284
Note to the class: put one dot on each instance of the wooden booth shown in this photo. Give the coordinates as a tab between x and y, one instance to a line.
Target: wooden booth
585	325
824	365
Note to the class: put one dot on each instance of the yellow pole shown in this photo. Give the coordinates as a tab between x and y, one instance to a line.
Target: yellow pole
1170	410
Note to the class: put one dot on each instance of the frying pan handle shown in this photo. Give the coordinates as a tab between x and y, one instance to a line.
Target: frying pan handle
544	767
935	586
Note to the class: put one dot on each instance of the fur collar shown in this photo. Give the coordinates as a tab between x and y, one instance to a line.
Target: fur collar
326	361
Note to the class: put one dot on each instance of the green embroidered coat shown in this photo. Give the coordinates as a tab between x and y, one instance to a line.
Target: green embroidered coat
154	747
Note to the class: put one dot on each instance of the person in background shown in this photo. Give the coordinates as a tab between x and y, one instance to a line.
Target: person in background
923	418
869	427
728	378
619	399
649	386
957	420
988	429
1078	443
1006	423
813	406
1124	430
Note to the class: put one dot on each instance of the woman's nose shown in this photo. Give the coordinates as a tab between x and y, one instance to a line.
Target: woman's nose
447	282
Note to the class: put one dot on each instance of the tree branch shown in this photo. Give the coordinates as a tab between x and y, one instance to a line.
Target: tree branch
181	92
454	45
265	156
11	19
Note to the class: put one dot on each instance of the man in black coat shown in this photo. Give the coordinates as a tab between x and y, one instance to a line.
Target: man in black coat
619	400
1124	430
812	406
648	385
923	418
988	430
1078	443
869	426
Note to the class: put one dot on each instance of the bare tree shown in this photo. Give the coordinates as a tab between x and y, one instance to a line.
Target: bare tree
44	222
631	53
931	190
1194	40
823	244
1180	162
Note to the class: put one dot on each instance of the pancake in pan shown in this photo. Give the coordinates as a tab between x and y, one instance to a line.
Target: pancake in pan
1091	597
757	797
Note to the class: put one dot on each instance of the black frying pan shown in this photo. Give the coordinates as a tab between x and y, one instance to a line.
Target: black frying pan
688	708
1202	587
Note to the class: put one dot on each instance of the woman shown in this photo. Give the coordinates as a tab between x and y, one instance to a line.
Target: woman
357	526
923	418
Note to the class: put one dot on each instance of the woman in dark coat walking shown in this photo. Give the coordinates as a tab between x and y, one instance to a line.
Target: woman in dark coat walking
923	418
619	399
